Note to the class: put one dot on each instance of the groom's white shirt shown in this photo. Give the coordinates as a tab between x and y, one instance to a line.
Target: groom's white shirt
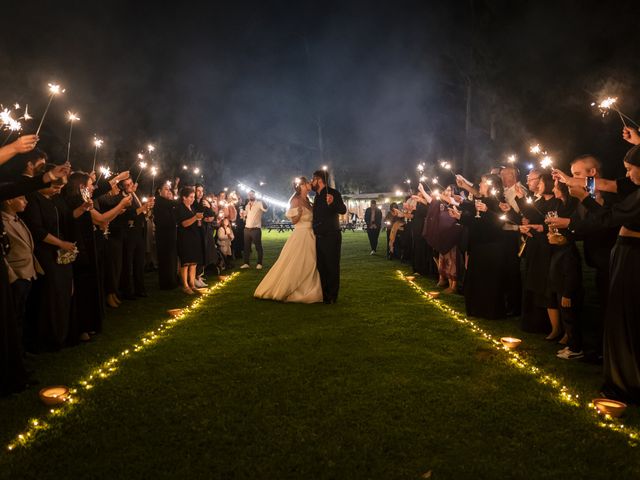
254	211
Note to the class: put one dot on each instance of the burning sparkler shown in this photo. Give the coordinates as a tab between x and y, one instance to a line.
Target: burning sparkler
72	117
546	162
54	90
512	159
97	143
608	104
143	165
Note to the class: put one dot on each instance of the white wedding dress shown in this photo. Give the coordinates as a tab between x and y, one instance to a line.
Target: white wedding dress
294	277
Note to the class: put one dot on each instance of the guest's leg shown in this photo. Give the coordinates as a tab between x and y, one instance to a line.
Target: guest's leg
258	242
138	264
247	245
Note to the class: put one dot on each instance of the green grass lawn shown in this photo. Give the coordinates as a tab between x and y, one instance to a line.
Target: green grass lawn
380	385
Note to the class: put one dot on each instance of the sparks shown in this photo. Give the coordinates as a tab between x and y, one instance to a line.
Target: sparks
423	178
196	170
26	115
151	148
97	142
72	117
512	159
536	149
55	89
546	162
143	165
154	171
184	167
105	171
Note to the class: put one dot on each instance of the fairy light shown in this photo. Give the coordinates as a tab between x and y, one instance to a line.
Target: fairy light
522	363
108	368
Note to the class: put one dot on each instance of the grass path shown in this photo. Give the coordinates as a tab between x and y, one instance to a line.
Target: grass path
380	386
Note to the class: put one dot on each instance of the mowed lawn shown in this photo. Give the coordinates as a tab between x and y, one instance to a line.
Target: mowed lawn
380	385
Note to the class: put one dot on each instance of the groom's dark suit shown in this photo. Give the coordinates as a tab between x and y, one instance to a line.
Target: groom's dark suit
326	226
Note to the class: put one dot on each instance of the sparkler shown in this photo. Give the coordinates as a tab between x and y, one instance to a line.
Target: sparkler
54	90
154	172
536	149
546	162
608	104
143	165
25	115
97	143
72	117
104	171
512	159
184	167
196	171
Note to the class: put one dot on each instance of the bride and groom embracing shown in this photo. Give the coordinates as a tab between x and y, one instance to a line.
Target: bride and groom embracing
308	268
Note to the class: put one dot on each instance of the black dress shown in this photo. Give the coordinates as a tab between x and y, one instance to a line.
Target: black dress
88	287
536	296
484	281
49	310
422	253
189	239
164	217
210	255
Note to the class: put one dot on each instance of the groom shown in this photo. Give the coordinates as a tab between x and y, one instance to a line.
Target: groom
327	206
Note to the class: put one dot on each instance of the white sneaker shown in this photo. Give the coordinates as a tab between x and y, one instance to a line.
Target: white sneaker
246	265
258	267
563	350
373	252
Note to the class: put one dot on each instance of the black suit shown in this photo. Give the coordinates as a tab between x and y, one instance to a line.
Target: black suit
164	218
374	226
326	226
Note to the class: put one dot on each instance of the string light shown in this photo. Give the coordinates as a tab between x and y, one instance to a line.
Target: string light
108	368
519	361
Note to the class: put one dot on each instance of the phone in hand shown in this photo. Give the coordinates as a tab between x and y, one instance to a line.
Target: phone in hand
591	187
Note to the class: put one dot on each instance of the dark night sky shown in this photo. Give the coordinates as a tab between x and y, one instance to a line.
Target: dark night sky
244	82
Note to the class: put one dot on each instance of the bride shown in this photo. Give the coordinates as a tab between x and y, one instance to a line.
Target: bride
294	277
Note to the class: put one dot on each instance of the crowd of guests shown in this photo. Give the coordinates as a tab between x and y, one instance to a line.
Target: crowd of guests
517	250
74	245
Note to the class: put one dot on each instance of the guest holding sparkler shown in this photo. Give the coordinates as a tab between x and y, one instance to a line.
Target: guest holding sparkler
509	177
164	217
565	277
88	274
210	254
189	240
49	314
134	245
13	376
485	280
538	309
621	332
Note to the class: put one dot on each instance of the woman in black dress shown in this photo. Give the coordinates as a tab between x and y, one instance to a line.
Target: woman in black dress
484	283
88	276
164	217
189	240
49	311
539	308
209	253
